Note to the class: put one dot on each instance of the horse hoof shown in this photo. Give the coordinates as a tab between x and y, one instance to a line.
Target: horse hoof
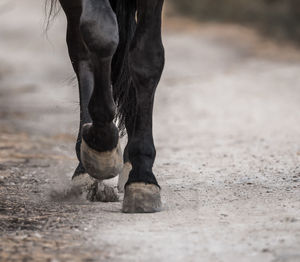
123	177
77	189
142	198
82	182
101	165
100	192
93	189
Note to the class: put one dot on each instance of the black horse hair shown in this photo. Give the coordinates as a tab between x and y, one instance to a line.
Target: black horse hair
123	90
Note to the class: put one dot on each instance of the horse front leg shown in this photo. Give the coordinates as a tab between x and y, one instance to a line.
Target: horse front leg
146	61
83	183
100	150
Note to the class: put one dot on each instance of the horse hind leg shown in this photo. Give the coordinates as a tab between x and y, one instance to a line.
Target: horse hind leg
124	175
81	63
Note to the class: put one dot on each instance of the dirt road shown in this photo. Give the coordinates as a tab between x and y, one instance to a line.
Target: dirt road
227	133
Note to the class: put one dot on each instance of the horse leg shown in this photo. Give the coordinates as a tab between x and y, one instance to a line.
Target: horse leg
82	183
146	61
100	151
82	66
123	177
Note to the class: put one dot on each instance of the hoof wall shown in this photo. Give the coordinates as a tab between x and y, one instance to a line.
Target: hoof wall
142	198
101	165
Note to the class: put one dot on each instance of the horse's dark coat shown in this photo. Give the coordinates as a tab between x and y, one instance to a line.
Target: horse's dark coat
117	54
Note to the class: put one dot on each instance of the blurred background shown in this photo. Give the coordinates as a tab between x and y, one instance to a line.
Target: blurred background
276	18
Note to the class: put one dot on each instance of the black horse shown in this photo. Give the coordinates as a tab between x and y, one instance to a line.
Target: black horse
117	54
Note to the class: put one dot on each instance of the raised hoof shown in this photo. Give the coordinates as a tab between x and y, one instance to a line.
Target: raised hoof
123	177
142	198
93	189
101	165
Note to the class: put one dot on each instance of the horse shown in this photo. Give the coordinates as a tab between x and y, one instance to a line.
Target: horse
116	50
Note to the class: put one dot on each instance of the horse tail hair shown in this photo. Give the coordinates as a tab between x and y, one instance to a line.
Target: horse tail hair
124	92
51	10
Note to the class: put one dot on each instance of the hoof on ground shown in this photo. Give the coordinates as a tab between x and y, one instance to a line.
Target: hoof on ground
123	177
93	189
142	198
101	165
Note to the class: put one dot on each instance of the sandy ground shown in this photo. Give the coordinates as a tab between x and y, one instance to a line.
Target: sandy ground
228	150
